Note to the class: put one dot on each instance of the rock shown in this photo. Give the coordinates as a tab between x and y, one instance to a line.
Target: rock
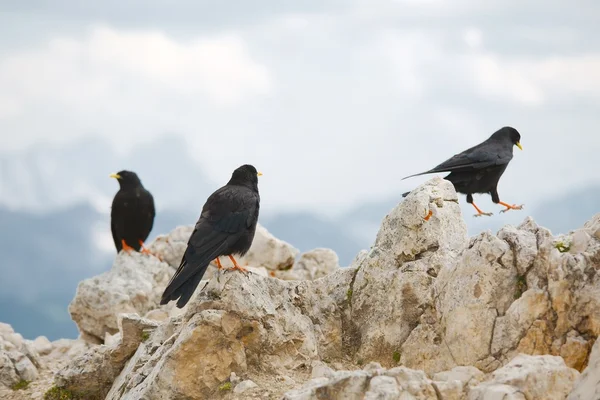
8	373
269	252
423	301
497	392
18	359
133	285
312	265
361	384
394	284
266	251
238	324
170	247
42	345
157	315
587	387
456	383
93	373
534	377
320	369
244	386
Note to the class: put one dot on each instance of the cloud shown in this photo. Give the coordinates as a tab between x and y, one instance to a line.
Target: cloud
107	63
421	62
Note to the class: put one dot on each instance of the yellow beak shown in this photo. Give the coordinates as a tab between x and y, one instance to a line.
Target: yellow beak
259	173
519	145
116	176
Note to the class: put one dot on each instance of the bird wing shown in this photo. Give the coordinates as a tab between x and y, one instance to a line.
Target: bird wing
147	214
227	214
120	207
481	156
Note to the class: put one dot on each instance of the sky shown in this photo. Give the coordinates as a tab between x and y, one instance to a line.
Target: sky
334	101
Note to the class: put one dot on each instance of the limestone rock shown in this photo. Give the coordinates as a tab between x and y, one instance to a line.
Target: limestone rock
266	251
241	324
42	345
533	377
93	373
133	285
311	265
377	383
587	387
394	284
18	359
269	252
426	309
244	386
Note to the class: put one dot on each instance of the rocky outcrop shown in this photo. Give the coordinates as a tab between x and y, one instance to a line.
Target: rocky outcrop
133	285
588	385
431	312
525	377
266	251
528	377
136	281
18	359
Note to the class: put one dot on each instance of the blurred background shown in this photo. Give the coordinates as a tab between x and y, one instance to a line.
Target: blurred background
334	101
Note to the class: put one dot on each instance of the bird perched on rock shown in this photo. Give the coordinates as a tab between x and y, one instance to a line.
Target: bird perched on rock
226	228
132	213
478	169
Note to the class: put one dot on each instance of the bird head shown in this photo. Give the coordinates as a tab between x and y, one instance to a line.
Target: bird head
511	134
245	175
127	178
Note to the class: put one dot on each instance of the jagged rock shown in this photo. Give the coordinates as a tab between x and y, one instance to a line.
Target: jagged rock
587	387
18	359
244	386
92	374
424	297
8	373
241	324
393	286
311	265
42	345
133	285
266	251
269	252
532	377
374	383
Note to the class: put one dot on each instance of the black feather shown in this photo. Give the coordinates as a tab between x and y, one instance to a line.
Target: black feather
226	227
132	212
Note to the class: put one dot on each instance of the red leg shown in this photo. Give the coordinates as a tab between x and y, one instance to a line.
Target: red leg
144	250
236	266
509	207
125	246
219	266
479	212
429	214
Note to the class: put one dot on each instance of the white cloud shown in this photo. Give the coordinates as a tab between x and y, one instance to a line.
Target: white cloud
106	63
534	81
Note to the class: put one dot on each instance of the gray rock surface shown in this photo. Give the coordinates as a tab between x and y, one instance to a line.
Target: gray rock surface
425	313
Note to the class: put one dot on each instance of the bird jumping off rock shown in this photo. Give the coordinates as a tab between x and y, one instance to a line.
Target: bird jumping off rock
132	213
478	169
226	228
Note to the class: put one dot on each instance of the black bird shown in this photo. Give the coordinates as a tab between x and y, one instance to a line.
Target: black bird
226	227
132	213
478	169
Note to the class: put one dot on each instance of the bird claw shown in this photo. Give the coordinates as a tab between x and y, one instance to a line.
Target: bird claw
513	207
487	214
238	268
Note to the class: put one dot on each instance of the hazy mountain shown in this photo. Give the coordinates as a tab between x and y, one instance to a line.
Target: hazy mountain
44	178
